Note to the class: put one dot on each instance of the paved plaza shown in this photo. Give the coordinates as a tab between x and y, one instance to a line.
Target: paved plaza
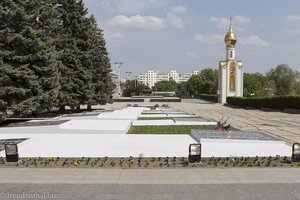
105	133
282	125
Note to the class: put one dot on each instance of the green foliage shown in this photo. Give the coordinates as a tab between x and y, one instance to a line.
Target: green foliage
165	86
277	102
204	83
254	85
286	80
209	78
29	68
194	86
74	42
133	88
155	118
185	129
210	97
102	85
51	54
182	90
282	80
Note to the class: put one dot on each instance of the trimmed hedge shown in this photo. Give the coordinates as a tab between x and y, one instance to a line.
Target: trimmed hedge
210	97
277	102
166	100
128	100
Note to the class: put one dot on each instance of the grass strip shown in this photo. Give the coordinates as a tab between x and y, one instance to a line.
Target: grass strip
163	118
154	118
152	113
184	129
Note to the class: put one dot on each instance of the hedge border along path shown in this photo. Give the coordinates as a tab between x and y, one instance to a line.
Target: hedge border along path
278	102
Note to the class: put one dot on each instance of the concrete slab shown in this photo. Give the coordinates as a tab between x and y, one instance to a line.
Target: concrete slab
105	125
251	148
152	115
100	145
153	122
55	130
126	113
239	143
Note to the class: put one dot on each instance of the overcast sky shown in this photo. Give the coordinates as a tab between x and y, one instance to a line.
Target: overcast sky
189	34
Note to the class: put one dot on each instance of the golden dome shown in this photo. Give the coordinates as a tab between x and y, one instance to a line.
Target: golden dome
230	38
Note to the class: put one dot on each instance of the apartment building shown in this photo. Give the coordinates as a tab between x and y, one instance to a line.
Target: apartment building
153	76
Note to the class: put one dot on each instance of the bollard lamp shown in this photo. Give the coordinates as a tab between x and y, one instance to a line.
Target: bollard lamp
11	152
296	152
194	153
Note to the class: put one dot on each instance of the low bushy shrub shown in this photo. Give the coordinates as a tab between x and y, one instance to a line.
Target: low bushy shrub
128	100
277	102
209	97
166	100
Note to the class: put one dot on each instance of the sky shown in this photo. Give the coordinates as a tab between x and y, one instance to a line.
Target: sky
189	35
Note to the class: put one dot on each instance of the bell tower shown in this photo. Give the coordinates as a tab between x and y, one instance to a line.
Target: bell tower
230	81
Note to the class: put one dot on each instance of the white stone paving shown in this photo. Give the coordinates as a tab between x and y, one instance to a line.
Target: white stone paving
100	145
126	113
153	122
251	148
106	125
104	135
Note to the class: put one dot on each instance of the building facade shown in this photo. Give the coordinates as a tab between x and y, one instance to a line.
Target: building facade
230	80
153	76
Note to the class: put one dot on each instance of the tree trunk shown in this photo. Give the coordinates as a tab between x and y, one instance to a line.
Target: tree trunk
62	109
89	107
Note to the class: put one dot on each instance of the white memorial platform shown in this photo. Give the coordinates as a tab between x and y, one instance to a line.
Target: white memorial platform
105	135
130	113
239	143
238	148
120	126
100	145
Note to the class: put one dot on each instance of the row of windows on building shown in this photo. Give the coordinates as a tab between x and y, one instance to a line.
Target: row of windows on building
153	76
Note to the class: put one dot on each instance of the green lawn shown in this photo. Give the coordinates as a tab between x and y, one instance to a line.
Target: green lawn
185	129
154	118
162	118
151	113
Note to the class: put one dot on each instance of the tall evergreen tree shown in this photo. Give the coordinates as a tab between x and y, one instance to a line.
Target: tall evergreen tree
102	82
73	43
28	70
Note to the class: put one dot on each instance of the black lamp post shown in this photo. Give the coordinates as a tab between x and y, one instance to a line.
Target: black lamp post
296	152
11	152
194	153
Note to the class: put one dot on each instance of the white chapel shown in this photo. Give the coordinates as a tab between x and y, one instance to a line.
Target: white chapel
230	81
